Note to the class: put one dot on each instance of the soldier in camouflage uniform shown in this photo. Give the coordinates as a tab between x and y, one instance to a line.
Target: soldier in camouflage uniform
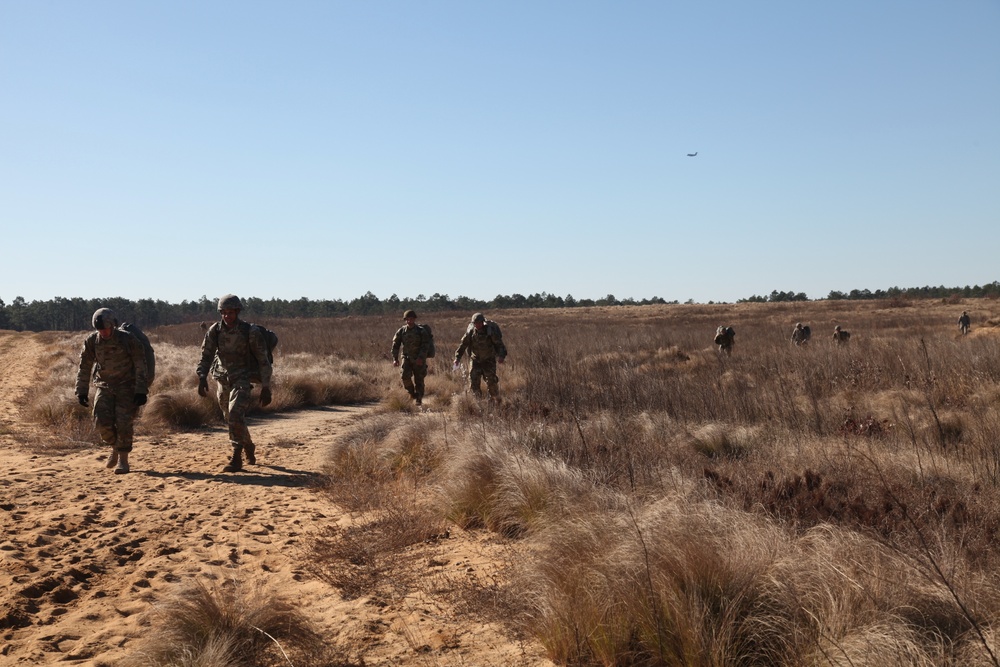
964	323
484	343
801	334
725	338
233	351
415	345
118	363
841	337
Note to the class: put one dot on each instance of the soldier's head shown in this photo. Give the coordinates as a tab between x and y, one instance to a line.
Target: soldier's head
478	321
104	320
230	307
836	328
411	317
798	325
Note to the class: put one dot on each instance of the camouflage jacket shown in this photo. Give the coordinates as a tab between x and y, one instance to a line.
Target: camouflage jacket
117	361
235	353
414	342
487	343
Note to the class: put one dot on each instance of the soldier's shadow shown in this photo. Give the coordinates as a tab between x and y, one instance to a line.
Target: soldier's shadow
260	475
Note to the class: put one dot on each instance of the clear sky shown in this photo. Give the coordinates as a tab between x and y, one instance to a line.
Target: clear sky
173	149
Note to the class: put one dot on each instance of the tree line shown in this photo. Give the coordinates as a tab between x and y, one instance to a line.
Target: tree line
987	291
62	314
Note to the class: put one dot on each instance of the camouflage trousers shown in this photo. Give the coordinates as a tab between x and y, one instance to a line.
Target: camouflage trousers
235	399
413	377
114	412
484	369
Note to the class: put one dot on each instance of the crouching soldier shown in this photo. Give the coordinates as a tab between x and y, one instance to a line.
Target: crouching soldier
234	351
484	343
725	338
120	378
840	336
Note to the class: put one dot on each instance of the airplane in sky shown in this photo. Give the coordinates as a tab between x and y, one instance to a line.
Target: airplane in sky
693	154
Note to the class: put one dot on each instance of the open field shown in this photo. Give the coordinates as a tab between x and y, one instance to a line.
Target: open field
636	499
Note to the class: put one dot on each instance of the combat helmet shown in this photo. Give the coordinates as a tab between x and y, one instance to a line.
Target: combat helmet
409	314
478	317
230	302
104	318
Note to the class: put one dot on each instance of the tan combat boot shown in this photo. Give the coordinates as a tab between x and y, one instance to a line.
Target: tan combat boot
122	467
236	464
251	451
112	458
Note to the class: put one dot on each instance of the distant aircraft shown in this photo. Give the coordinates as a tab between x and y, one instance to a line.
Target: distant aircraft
692	154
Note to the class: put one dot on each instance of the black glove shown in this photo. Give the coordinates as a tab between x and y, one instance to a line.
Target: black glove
202	385
83	400
265	396
140	399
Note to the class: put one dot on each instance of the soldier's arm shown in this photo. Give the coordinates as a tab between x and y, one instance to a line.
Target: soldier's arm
209	347
498	347
463	346
258	348
88	357
397	340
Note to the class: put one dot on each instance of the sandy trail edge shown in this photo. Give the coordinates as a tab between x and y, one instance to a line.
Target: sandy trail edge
85	555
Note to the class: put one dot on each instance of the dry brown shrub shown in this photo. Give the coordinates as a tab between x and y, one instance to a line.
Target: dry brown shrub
232	625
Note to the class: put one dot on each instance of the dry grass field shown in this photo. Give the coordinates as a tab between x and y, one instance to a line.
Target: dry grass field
637	498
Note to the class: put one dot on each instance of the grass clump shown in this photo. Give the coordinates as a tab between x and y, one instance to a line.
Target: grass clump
233	625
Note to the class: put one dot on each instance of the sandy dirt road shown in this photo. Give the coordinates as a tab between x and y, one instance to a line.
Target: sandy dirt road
85	554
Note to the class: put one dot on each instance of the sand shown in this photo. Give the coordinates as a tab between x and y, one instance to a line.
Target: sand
86	555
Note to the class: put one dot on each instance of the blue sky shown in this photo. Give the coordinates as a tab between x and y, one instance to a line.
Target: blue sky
170	150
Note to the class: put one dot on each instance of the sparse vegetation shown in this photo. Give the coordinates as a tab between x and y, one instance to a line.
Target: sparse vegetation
786	505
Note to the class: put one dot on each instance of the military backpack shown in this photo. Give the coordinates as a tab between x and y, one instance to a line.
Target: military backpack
147	349
430	339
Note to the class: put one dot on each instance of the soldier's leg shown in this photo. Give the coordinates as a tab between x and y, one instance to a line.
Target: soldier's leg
476	378
419	373
240	398
104	422
124	418
489	368
406	374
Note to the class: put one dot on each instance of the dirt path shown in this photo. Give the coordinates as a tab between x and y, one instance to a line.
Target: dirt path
86	554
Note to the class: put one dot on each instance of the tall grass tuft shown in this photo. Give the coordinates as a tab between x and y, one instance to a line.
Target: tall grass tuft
233	625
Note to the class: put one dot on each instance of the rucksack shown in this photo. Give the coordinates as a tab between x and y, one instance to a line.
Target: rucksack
270	338
430	336
147	349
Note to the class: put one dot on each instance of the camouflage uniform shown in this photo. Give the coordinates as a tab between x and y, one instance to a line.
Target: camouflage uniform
964	323
234	355
485	347
415	344
725	337
801	334
118	365
840	336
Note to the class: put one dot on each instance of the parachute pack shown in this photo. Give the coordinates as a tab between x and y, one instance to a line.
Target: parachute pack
430	337
147	349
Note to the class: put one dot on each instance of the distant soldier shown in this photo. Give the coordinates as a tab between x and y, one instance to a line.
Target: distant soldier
964	323
725	338
801	334
484	343
414	342
233	351
840	336
120	378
